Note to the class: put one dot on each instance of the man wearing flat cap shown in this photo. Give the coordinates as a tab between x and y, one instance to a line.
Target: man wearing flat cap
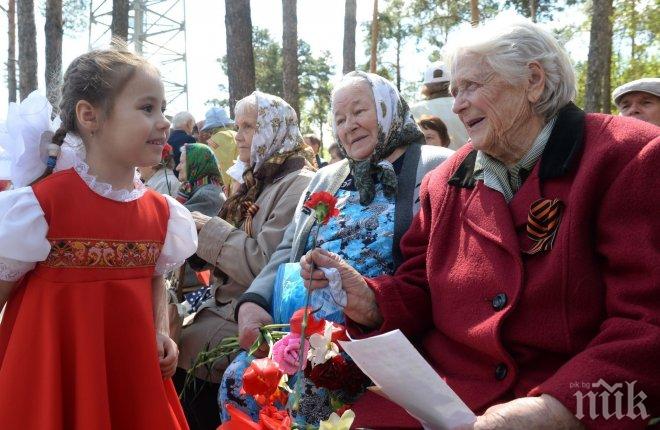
639	99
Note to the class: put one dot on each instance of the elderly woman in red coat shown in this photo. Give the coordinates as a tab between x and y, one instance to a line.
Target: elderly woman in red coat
532	272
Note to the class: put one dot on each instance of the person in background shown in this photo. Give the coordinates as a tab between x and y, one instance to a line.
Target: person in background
639	99
316	144
197	131
438	102
335	153
182	127
201	184
435	131
222	141
161	176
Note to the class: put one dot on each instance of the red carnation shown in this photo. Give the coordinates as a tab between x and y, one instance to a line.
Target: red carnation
354	380
323	204
313	325
238	420
338	333
272	418
261	379
329	374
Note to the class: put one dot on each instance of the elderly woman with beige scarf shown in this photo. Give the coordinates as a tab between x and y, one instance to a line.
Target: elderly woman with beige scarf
276	168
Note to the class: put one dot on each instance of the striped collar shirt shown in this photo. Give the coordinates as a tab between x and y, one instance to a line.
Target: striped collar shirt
508	180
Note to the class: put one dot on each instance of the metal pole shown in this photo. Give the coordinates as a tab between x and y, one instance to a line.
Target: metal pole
138	25
185	51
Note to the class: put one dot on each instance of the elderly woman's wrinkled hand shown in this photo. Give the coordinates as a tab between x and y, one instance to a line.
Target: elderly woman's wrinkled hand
543	412
200	220
361	304
251	317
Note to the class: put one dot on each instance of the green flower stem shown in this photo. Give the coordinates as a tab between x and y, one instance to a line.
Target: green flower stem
297	392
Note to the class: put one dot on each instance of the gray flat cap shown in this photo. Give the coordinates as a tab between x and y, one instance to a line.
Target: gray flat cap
645	85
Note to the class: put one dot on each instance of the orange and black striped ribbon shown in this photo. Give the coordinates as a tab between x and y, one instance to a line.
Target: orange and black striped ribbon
251	210
543	222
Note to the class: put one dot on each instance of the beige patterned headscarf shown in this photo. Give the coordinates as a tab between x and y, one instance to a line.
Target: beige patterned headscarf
277	129
277	149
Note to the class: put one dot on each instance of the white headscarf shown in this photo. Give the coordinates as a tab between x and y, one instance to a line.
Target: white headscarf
396	128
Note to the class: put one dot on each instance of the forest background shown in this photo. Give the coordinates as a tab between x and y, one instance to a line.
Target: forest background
298	48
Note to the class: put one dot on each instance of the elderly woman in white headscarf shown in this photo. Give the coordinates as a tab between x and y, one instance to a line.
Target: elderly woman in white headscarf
530	273
276	168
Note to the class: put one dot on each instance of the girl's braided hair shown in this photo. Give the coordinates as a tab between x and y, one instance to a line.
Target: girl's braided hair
97	77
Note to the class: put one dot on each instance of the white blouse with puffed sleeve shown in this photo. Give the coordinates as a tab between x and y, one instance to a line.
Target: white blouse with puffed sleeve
180	241
23	230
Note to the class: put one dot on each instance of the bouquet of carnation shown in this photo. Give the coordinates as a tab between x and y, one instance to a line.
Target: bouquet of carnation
318	396
306	381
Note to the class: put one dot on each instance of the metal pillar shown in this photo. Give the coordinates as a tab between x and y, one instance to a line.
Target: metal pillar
157	30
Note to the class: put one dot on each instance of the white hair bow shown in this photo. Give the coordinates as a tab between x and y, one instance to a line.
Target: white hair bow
24	139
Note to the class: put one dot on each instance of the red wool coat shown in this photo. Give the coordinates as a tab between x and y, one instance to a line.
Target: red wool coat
498	323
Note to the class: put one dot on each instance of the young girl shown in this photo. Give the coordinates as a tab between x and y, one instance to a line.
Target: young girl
83	341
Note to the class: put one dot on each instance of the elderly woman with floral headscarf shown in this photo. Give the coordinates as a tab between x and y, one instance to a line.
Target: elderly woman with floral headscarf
275	168
530	273
201	187
376	187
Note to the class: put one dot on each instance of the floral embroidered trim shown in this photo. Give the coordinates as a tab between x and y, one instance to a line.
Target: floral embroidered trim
79	253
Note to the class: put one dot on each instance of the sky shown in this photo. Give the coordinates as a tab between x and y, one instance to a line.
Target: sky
320	23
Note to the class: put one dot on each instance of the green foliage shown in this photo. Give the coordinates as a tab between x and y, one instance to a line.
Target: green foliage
75	15
544	8
434	19
635	49
314	77
426	23
395	28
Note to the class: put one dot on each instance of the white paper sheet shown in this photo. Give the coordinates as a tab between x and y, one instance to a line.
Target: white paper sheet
403	376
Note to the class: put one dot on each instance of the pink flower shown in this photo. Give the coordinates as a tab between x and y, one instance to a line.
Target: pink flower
286	353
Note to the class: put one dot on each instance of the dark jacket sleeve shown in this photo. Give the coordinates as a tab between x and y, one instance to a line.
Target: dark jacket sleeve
207	200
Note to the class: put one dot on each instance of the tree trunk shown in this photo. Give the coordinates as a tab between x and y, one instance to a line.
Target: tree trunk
119	25
350	23
374	38
290	53
633	30
607	78
11	50
53	30
321	123
597	58
27	48
474	12
533	7
398	57
240	56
